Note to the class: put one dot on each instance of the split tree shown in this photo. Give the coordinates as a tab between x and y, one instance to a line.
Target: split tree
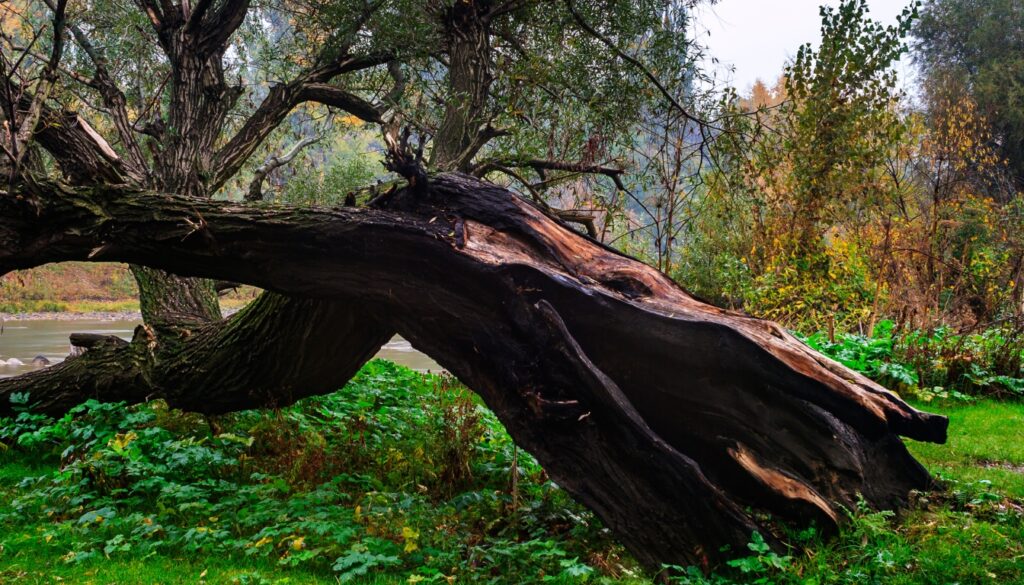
681	425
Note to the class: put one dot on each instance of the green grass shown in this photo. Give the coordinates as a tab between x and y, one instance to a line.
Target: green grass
986	442
26	556
406	477
33	566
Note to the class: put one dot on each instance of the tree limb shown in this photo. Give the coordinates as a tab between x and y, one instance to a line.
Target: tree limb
281	99
196	15
219	28
336	97
540	165
83	155
632	61
584	218
21	130
255	192
268	355
113	99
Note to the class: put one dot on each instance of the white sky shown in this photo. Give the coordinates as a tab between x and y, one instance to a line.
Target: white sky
758	37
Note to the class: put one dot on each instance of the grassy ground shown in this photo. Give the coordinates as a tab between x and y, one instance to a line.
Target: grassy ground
406	479
986	443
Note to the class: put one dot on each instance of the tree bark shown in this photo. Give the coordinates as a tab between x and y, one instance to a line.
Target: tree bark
683	426
462	132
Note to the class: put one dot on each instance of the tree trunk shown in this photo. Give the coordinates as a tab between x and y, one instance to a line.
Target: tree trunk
172	304
462	130
683	426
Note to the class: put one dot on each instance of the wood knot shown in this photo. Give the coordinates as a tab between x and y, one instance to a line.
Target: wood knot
626	285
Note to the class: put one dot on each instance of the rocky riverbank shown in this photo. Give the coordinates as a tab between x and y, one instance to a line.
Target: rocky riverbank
73	316
89	315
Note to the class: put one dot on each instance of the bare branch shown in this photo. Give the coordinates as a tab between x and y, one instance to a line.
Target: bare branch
83	155
390	99
311	86
273	163
341	99
21	131
540	165
580	216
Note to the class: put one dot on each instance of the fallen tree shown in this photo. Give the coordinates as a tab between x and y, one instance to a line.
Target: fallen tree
683	426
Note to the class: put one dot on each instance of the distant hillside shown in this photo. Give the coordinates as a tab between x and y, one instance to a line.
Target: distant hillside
81	287
68	286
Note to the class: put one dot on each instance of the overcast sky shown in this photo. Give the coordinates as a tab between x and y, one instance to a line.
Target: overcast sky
757	37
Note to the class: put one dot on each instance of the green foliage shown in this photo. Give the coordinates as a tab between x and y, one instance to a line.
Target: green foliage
361	486
780	230
764	563
400	474
345	168
871	356
836	132
831	203
843	94
935	364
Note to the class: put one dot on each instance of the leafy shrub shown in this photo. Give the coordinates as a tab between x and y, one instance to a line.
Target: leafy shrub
935	364
398	473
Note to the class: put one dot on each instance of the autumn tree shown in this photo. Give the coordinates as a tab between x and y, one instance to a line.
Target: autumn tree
975	49
794	177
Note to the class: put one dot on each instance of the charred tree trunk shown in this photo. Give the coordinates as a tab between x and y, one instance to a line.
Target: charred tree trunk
683	426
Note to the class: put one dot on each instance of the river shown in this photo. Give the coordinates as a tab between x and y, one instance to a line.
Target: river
24	340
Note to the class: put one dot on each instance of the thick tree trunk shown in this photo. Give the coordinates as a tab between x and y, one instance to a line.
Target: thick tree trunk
462	131
683	426
173	304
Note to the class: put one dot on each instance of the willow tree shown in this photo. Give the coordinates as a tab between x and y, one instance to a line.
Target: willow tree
681	425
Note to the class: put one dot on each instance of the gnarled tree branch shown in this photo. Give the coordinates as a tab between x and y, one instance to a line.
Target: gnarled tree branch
282	98
113	99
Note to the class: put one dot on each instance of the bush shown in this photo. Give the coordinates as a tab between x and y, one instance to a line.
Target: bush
933	364
400	473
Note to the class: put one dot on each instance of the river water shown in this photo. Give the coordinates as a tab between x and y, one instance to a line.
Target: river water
24	340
